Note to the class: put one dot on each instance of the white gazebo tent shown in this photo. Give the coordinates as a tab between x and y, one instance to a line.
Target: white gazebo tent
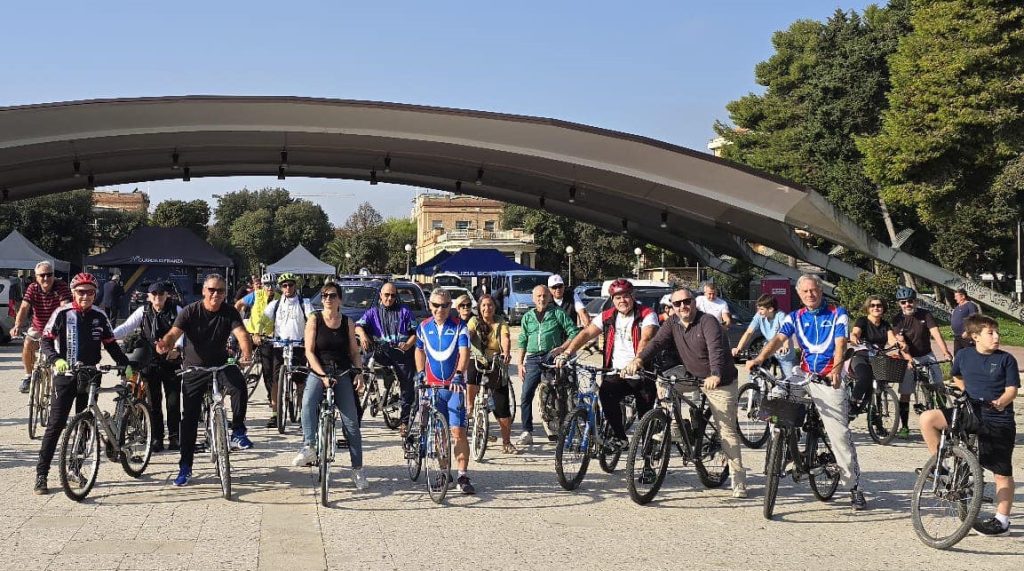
18	253
301	261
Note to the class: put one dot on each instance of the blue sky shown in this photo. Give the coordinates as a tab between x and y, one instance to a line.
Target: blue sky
662	69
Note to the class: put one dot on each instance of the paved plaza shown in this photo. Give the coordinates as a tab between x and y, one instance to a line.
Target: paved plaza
519	519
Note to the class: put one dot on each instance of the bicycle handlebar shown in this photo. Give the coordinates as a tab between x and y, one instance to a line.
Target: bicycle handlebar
198	369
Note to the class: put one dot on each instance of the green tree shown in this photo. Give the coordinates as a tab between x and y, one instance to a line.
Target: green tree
232	205
362	237
194	215
57	223
953	125
252	235
397	233
302	222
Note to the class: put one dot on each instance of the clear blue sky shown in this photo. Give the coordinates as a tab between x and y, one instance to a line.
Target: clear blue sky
661	69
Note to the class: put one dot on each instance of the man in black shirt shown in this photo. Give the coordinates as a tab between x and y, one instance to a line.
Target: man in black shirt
964	309
208	324
915	329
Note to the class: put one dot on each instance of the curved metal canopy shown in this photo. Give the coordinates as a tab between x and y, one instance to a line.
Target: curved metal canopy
608	178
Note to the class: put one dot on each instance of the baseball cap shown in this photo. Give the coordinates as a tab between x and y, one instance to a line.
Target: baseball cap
554	280
157	287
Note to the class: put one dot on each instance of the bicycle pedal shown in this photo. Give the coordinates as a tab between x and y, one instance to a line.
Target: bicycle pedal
987	500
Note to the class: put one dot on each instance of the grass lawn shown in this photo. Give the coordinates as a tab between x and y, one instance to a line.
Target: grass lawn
1010	332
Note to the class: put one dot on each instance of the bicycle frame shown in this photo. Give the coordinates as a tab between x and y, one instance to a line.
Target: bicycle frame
673	403
108	425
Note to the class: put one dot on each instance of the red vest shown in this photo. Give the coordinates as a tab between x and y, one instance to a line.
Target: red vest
608	317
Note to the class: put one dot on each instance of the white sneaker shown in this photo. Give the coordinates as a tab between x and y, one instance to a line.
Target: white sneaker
525	439
359	479
305	457
739	492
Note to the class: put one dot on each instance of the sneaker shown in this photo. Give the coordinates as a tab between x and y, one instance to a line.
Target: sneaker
23	387
305	457
272	423
40	488
184	476
903	433
739	492
991	527
466	487
239	441
172	444
359	479
857	500
525	439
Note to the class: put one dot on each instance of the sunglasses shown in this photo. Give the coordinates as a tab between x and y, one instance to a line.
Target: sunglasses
288	284
440	305
216	290
329	295
465	305
49	275
559	286
85	292
680	302
906	302
389	295
874	305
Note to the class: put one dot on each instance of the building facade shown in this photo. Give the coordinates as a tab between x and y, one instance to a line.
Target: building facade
453	222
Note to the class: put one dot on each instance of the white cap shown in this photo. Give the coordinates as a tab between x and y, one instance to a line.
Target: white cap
554	280
666	299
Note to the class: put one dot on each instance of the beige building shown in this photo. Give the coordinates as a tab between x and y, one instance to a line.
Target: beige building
134	201
452	222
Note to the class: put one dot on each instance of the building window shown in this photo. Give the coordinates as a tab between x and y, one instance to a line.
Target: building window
462	224
489	226
436	225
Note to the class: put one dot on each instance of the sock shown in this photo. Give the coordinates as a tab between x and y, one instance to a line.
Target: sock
1004	520
905	414
462	473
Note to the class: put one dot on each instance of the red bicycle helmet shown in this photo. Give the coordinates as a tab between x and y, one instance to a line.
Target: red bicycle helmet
84	279
618	286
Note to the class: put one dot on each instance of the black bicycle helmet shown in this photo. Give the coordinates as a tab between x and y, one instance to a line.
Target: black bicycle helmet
904	292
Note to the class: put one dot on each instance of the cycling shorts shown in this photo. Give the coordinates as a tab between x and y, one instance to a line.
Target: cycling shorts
33	335
453	405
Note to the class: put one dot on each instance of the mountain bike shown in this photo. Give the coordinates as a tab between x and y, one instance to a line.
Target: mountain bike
790	416
39	394
752	429
125	436
215	423
326	431
697	439
882	410
585	433
557	387
949	489
382	391
289	401
926	395
429	442
483	405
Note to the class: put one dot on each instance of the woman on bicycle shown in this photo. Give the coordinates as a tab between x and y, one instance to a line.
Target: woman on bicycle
871	329
330	341
489	336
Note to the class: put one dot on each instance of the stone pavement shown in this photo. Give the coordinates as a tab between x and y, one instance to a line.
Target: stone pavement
520	518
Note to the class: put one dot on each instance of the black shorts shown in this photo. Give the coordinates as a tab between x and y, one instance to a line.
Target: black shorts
472	375
995	448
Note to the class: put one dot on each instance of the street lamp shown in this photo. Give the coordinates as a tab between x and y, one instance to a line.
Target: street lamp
348	256
638	252
408	252
569	251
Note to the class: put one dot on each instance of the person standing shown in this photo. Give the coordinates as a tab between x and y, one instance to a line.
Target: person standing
767	322
112	294
288	314
713	305
490	339
572	306
43	297
259	326
964	309
915	330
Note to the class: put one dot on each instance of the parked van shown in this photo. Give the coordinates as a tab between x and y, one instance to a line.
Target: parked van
516	289
446	279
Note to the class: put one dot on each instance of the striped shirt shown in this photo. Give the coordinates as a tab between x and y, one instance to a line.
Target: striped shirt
43	303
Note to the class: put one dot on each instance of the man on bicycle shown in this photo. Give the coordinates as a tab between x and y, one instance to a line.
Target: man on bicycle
628	327
915	329
43	297
392	327
207	324
703	348
288	313
820	329
154	320
442	355
258	325
74	334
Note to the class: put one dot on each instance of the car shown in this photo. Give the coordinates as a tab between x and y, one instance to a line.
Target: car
587	291
357	296
457	291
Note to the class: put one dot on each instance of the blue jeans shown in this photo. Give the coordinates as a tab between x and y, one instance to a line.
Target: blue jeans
345	399
531	380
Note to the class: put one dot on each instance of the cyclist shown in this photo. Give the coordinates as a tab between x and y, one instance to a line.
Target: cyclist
259	325
703	349
871	329
666	309
714	305
154	320
330	340
43	297
207	324
490	338
985	372
573	307
820	329
442	354
915	330
392	325
628	327
74	334
544	333
288	313
767	322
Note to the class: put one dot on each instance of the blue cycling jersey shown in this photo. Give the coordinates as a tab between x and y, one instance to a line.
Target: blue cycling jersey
441	344
816	330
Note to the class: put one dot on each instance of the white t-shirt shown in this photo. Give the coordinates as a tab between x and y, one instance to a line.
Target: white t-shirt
291	317
622	351
716	307
577	303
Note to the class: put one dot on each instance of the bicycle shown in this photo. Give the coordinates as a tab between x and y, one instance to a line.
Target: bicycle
253	372
382	392
952	478
429	439
289	401
752	429
215	423
882	412
39	395
557	386
926	395
789	417
125	435
326	432
483	405
697	439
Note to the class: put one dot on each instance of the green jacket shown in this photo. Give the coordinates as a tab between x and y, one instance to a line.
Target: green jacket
542	336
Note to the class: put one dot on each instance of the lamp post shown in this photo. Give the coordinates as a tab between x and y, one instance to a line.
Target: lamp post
408	252
638	252
569	251
348	256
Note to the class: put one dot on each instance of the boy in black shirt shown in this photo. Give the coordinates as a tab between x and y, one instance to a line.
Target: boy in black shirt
986	373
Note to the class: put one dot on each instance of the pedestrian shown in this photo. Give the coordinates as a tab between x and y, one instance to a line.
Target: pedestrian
112	294
964	309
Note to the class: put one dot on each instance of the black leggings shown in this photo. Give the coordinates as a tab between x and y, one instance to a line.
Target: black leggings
193	389
865	378
500	393
65	394
163	380
614	389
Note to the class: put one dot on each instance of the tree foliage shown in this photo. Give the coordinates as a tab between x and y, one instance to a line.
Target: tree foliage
194	215
60	224
302	222
371	242
252	235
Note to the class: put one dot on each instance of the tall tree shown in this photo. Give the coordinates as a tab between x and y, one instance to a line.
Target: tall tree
194	215
397	233
302	222
60	224
252	235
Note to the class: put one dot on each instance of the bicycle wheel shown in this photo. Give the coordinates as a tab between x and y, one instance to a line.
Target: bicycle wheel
326	455
223	451
414	445
773	469
651	445
513	404
752	430
944	511
628	412
607	458
439	457
481	430
135	439
253	376
711	462
572	453
825	472
368	401
33	402
294	398
80	456
883	415
45	394
281	409
392	407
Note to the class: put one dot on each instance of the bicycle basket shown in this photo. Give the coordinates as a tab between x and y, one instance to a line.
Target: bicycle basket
887	369
783	412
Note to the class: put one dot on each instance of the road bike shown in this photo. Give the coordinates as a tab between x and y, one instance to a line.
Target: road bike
752	429
215	423
39	395
695	437
882	408
382	391
126	435
429	442
794	418
326	431
288	399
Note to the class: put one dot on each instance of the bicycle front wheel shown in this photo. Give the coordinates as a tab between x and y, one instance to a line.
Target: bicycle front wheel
711	462
391	408
481	431
647	459
752	430
282	408
825	472
135	439
513	404
439	457
883	415
943	511
80	456
326	455
773	469
572	453
33	402
223	451
253	374
608	458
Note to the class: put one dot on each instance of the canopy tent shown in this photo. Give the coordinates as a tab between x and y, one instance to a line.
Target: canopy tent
19	253
476	261
162	247
301	261
427	268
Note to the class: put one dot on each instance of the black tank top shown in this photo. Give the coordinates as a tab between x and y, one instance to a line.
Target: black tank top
332	344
